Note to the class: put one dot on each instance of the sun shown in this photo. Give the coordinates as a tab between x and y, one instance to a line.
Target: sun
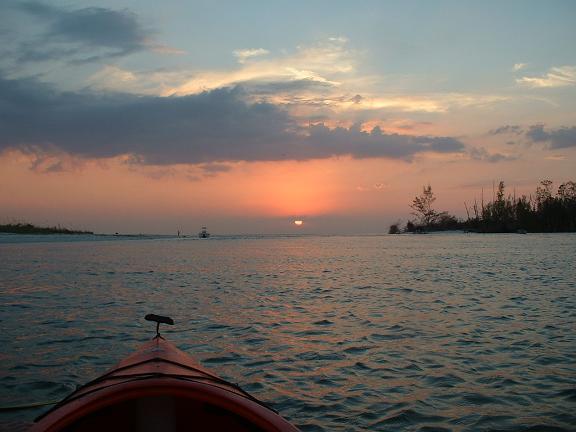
298	222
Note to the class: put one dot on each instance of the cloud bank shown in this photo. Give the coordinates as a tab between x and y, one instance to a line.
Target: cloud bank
559	138
214	126
75	35
552	138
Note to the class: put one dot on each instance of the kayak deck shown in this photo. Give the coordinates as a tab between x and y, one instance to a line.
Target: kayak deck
160	388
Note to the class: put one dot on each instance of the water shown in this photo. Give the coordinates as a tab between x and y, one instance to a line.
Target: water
439	332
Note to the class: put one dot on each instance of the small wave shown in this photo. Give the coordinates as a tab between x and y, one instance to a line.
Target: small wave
232	358
258	363
479	399
433	429
357	349
407	417
323	322
568	394
389	337
449	380
543	428
311	355
311	333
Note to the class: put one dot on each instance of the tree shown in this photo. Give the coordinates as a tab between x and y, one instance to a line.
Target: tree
567	191
543	193
422	206
394	228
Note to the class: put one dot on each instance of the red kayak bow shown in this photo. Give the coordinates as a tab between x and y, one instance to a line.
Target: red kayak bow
160	388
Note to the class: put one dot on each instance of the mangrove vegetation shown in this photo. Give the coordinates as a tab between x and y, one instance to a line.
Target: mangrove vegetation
28	228
548	210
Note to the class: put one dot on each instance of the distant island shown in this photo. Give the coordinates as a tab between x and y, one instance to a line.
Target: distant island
543	212
28	228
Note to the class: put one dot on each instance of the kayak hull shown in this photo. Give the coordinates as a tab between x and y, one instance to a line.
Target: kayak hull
160	388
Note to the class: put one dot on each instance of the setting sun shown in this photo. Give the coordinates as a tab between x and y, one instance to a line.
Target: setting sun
298	222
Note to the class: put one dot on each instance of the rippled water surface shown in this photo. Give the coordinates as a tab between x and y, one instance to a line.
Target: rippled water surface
386	333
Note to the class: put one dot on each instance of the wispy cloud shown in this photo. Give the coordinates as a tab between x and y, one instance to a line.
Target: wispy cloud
312	75
560	76
313	81
430	102
245	54
519	66
320	81
555	157
324	62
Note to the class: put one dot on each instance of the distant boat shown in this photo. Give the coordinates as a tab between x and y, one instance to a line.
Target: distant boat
203	233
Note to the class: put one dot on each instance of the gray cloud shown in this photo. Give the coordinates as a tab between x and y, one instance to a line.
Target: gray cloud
507	129
563	137
34	8
481	154
213	169
64	34
215	126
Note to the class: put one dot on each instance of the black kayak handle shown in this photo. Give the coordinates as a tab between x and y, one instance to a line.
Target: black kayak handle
159	319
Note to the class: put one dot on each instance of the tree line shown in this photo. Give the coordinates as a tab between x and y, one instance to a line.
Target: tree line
28	228
545	211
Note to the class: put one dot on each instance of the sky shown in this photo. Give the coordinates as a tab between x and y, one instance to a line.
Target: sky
139	116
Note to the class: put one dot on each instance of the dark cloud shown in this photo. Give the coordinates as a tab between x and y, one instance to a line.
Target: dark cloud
100	28
64	34
357	99
35	8
481	154
212	169
215	126
563	137
507	129
52	161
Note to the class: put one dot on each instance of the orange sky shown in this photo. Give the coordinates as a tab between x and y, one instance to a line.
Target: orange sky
331	195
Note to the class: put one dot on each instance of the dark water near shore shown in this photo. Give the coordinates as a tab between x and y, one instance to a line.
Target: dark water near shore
386	333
